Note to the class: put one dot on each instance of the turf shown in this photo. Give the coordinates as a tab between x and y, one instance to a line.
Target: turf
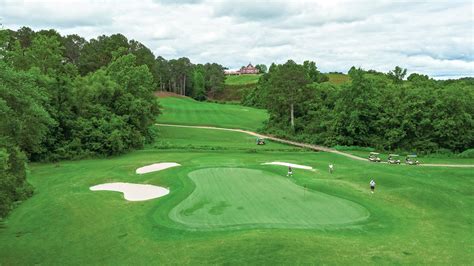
207	139
418	215
242	79
186	111
238	197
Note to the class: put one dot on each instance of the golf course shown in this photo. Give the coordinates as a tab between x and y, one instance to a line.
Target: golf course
227	205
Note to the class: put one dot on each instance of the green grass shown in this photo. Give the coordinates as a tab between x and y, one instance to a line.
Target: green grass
338	78
242	79
206	139
238	197
418	215
186	111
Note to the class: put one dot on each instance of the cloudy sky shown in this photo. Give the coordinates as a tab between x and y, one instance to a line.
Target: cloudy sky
430	37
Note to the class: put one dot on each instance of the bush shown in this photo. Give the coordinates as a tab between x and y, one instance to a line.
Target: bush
13	184
469	153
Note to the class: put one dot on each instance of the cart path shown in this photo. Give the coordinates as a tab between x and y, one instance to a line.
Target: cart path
303	145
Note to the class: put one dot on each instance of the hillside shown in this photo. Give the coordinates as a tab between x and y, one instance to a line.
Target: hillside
242	79
337	79
187	111
235	87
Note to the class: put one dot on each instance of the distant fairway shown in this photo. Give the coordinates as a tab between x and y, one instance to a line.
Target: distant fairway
242	79
187	111
337	79
238	197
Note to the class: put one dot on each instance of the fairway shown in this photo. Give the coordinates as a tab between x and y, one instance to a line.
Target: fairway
186	111
242	79
238	197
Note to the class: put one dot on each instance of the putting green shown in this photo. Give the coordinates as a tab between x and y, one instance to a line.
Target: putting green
239	197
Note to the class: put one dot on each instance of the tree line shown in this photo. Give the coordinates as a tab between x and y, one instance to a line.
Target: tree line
386	111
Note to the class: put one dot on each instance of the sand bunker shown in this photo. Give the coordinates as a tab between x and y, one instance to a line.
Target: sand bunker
291	164
155	167
134	192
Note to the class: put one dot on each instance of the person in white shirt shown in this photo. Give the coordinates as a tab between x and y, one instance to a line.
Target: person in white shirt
290	171
372	186
331	168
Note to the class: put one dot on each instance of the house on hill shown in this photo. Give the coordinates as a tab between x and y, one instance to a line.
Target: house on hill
249	69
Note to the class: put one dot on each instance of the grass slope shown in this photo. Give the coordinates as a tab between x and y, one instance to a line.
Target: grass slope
187	111
418	215
238	197
338	78
207	139
242	79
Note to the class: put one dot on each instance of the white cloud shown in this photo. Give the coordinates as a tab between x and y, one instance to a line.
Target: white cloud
430	37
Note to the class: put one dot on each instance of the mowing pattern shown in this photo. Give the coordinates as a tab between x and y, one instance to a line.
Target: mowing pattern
186	111
237	197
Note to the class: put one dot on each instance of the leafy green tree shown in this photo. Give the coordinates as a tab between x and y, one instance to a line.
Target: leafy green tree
287	87
398	74
313	72
23	116
199	86
45	53
13	184
73	45
262	68
98	52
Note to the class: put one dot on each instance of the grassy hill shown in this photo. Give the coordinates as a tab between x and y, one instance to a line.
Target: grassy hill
235	87
186	111
337	79
242	79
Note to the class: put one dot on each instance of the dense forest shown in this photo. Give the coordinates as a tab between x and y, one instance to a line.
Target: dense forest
384	111
63	97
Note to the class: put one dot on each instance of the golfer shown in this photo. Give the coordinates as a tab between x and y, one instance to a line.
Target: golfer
372	186
290	171
331	168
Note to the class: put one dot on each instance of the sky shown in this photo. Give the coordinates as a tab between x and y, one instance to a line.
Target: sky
435	38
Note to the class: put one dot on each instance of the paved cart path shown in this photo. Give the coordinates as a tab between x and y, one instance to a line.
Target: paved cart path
304	145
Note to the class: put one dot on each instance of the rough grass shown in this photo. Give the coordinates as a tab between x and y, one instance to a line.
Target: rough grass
242	79
187	111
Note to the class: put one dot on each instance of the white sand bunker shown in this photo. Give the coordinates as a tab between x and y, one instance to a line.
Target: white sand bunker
291	164
134	192
155	167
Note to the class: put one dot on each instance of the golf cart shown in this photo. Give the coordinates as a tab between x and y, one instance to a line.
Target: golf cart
411	160
374	157
393	159
260	141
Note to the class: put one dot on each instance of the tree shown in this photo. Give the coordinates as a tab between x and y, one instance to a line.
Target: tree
24	119
287	86
313	72
45	53
262	68
98	52
199	85
73	45
13	184
398	74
